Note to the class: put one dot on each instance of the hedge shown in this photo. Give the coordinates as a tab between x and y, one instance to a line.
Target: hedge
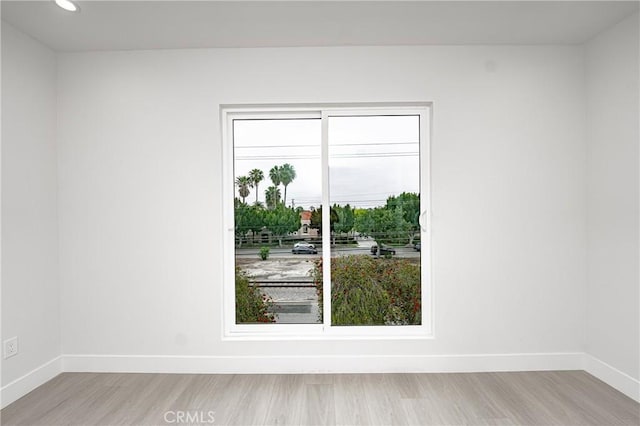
370	291
252	306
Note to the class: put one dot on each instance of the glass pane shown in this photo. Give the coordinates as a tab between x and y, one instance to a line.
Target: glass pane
278	184
374	175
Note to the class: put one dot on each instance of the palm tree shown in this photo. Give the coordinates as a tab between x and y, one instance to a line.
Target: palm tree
256	177
275	176
243	183
272	197
287	175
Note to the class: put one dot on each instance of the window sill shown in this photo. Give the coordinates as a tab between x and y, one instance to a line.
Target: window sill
318	332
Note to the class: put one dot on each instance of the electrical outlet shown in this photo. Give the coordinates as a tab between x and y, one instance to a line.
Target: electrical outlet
10	347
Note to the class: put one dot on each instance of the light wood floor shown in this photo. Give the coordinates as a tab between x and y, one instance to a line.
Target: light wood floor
530	398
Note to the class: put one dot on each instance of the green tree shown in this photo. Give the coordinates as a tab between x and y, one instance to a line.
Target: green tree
275	176
381	223
376	222
256	176
239	214
272	197
282	221
399	227
243	183
410	203
345	219
287	175
247	219
363	221
316	219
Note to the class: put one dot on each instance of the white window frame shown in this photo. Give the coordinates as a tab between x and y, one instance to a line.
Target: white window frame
325	331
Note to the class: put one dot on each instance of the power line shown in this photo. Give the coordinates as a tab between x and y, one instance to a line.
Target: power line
276	146
315	157
376	155
364	193
278	157
373	143
318	145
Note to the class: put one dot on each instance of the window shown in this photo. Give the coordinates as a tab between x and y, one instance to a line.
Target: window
327	221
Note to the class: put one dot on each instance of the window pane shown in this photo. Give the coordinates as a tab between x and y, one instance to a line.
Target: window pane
278	183
374	175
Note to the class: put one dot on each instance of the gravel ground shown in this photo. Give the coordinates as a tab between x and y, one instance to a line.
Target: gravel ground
282	269
277	269
282	294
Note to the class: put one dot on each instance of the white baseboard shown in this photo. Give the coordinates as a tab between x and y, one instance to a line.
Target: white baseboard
25	384
322	364
613	377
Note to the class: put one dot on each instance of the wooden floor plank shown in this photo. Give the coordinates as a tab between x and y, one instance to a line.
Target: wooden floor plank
352	405
501	399
286	400
319	406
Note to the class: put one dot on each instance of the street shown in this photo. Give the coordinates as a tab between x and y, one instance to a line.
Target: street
281	253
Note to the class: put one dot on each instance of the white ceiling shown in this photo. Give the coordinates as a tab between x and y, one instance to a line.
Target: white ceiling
122	25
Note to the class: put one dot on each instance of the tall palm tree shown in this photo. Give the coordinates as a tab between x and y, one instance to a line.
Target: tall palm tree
272	197
243	183
256	177
275	176
287	175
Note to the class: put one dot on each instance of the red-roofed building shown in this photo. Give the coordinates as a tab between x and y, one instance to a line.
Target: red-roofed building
305	225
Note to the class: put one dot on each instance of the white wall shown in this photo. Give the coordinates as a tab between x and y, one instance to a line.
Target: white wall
140	191
30	285
613	313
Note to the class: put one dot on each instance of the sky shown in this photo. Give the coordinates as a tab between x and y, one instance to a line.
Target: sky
370	158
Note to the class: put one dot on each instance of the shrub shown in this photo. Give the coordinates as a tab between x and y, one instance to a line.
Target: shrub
264	252
400	278
368	291
252	306
357	298
316	274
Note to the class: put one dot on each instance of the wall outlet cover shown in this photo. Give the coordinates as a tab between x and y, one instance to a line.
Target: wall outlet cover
10	347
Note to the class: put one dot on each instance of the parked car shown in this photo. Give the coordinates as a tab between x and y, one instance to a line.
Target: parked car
417	246
383	249
304	248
